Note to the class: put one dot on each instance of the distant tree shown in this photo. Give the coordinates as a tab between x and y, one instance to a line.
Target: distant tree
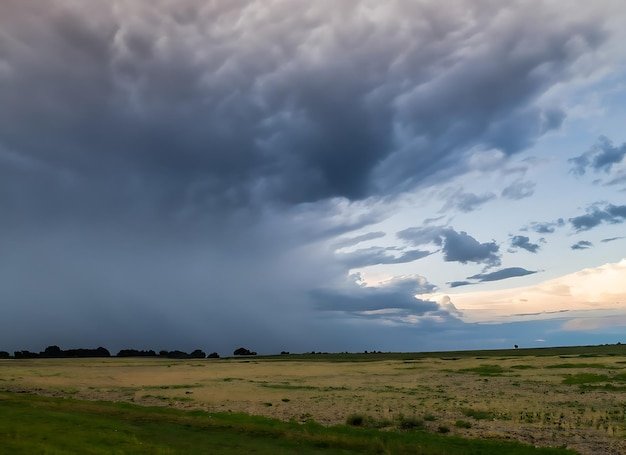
197	354
163	353
516	346
102	352
213	355
4	355
177	355
83	352
135	353
52	352
284	352
25	355
243	351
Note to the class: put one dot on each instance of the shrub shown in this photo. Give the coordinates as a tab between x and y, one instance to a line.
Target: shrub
443	429
462	424
356	420
410	423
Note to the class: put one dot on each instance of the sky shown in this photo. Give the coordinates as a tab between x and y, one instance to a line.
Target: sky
327	176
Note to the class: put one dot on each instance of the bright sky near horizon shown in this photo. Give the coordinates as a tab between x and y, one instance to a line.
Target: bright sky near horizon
312	176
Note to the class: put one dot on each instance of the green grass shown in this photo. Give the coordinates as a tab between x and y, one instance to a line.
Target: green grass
577	365
35	424
485	370
585	378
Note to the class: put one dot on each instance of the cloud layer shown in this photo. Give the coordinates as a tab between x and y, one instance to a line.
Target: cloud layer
185	172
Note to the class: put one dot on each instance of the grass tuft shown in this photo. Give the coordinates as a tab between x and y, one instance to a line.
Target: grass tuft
462	424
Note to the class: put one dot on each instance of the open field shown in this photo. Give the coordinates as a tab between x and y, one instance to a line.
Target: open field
575	399
35	424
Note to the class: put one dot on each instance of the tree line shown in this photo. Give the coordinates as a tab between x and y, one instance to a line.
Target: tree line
55	352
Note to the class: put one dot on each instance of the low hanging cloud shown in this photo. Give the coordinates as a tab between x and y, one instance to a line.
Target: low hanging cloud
598	214
581	245
601	157
456	246
523	242
393	301
519	189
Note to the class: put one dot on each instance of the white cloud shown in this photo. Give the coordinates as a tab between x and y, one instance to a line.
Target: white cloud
588	290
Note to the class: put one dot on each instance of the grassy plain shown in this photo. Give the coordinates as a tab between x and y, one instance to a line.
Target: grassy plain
549	398
35	424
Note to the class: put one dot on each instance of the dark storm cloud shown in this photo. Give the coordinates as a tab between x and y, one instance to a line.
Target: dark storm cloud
598	214
226	106
465	202
581	245
175	172
456	246
601	157
379	255
502	274
521	241
519	189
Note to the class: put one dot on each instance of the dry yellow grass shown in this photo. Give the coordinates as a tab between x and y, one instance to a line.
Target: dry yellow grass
522	398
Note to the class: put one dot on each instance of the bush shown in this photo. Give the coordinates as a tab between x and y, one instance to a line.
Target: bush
443	429
410	423
356	420
462	424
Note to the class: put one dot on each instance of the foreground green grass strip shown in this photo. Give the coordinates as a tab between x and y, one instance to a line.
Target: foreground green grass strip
34	424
